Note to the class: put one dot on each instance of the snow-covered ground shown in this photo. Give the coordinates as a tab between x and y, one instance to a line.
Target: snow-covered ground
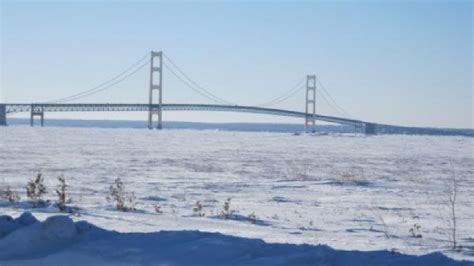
60	241
350	192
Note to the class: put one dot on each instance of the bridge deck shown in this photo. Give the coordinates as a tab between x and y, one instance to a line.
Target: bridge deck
121	107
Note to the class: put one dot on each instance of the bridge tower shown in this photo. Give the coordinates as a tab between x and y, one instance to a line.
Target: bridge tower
156	85
310	119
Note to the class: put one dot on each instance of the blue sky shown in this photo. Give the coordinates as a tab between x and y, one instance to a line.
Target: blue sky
396	62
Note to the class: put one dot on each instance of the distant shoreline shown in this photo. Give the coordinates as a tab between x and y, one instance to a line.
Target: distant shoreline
245	127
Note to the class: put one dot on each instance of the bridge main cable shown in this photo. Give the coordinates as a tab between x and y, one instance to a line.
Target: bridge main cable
192	84
286	95
106	84
334	104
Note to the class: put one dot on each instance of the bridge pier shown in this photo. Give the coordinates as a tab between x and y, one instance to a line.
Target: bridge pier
370	129
36	110
3	115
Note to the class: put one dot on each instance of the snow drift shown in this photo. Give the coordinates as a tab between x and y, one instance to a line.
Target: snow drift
58	241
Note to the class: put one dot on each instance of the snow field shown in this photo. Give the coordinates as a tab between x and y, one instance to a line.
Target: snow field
346	191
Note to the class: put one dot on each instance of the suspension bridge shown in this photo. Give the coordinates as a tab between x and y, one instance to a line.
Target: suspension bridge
155	105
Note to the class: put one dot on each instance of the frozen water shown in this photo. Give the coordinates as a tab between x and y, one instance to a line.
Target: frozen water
350	192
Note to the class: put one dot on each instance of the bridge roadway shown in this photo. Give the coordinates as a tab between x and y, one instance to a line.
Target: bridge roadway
38	108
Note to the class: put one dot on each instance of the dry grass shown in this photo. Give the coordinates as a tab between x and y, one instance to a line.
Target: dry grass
124	201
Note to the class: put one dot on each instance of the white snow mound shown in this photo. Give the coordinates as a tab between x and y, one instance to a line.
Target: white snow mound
37	238
58	241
